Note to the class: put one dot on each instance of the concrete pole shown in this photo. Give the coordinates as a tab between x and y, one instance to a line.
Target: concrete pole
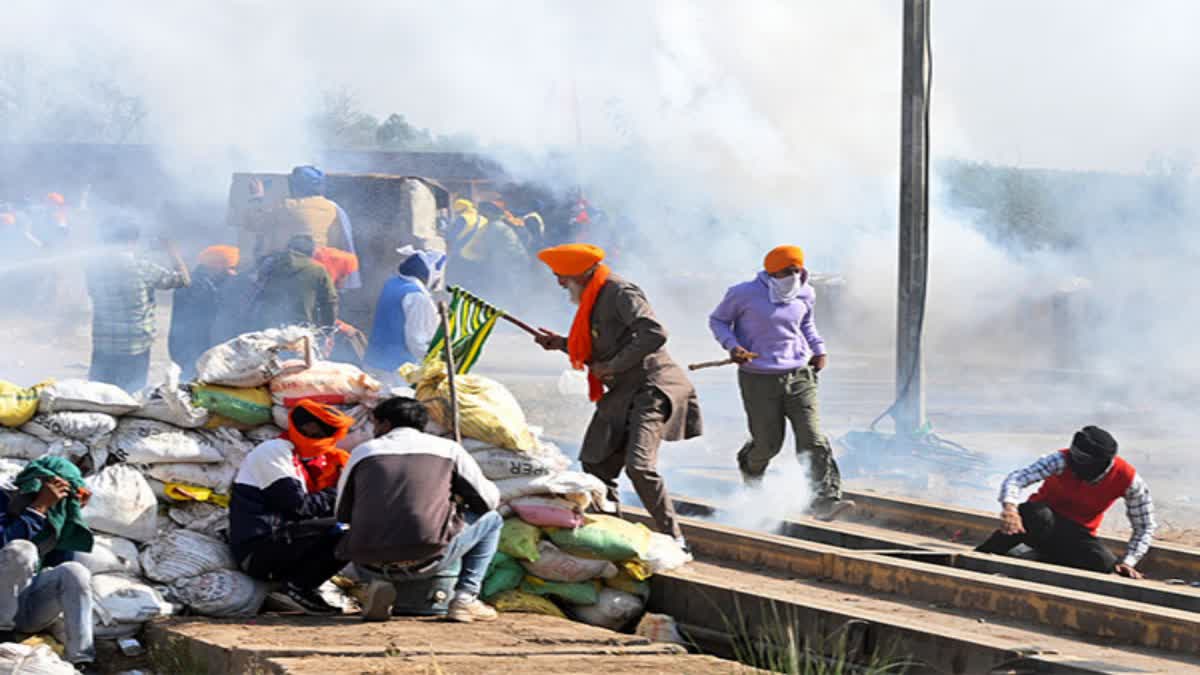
909	413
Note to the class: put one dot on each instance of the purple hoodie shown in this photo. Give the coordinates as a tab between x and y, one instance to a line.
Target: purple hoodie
784	336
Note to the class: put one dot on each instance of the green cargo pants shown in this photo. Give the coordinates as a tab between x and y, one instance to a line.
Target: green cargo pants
771	400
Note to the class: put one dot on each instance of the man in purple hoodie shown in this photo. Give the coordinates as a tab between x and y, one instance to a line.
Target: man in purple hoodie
767	326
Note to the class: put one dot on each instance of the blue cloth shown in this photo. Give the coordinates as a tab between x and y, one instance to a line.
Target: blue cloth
24	525
388	347
306	181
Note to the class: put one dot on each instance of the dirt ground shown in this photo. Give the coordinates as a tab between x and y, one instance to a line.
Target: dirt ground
486	665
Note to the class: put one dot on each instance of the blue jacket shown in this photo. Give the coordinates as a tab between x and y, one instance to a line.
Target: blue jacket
388	348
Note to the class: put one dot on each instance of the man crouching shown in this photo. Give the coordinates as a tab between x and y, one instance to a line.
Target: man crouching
417	504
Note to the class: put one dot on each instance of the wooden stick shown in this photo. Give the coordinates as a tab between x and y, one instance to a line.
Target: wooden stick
710	364
442	312
521	324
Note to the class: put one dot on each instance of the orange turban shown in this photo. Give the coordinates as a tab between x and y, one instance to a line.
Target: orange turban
7	219
219	258
782	257
339	263
569	260
56	199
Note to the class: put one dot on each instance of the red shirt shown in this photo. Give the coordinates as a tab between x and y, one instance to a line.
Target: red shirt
1081	501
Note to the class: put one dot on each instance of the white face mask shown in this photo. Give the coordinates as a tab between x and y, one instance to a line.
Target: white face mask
786	289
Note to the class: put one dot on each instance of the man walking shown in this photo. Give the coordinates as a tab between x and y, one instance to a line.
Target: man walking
122	285
400	495
294	288
767	327
406	318
1079	485
642	397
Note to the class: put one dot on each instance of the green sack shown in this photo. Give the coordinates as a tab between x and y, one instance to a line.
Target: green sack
519	539
245	406
581	593
604	537
504	574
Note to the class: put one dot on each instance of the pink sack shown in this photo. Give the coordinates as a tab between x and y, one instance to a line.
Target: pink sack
547	511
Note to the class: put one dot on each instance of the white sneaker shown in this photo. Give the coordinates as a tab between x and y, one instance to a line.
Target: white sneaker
466	611
377	605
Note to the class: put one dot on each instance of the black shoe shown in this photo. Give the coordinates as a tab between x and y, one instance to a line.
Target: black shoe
87	668
829	509
8	636
295	599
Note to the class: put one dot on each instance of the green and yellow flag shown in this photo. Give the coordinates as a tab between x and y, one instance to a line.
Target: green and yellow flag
471	322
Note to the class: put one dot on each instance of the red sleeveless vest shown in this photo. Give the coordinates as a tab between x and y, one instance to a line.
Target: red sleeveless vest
1083	502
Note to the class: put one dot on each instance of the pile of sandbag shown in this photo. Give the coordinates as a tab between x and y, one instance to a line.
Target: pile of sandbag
557	555
161	464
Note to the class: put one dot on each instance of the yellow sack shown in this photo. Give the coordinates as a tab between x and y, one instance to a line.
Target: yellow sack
526	603
182	492
18	405
519	539
219	421
250	406
638	569
487	411
628	583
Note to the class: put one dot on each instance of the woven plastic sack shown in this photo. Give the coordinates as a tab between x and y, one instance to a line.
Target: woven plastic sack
18	404
124	599
554	565
221	593
612	610
605	537
20	445
19	659
581	488
362	431
203	517
627	584
140	441
547	511
9	470
659	628
664	554
122	504
171	403
577	593
525	603
519	539
184	554
244	406
253	359
111	555
257	435
499	463
85	396
327	382
487	410
88	427
503	574
216	477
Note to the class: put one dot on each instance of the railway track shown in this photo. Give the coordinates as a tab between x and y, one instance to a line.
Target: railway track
917	593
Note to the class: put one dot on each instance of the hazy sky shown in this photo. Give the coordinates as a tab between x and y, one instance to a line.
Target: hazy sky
766	84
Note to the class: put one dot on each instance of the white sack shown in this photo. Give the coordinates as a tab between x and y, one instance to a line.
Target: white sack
201	517
122	504
613	609
500	464
222	593
20	445
329	382
554	565
170	403
140	441
184	554
664	554
88	427
9	469
111	555
254	359
581	488
19	659
217	477
85	396
267	432
124	599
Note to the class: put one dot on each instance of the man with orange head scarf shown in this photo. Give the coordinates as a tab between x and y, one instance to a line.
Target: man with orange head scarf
195	308
281	524
767	326
642	397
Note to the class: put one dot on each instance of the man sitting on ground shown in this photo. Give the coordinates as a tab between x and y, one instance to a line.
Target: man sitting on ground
400	494
39	525
1059	522
280	513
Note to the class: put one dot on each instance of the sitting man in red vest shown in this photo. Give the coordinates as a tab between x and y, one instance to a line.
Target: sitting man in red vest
1079	485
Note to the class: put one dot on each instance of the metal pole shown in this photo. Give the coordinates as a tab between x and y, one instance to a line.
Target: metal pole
909	414
449	358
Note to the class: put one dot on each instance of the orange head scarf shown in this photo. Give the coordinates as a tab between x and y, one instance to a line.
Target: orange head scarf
782	257
219	258
571	260
339	263
319	459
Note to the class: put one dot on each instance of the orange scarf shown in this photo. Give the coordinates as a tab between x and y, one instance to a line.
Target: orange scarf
319	459
579	341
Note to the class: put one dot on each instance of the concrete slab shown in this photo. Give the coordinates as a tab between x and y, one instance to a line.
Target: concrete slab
626	664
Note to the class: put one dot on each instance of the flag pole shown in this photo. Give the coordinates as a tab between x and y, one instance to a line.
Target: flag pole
449	352
503	314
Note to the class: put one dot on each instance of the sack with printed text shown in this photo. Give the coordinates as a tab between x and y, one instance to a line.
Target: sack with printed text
253	359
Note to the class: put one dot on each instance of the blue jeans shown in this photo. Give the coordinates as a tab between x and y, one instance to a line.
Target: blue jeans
30	600
474	546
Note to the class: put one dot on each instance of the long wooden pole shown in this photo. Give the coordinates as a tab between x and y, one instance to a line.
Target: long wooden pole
449	358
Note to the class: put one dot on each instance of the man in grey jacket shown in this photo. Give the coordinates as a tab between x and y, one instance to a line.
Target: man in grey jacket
400	495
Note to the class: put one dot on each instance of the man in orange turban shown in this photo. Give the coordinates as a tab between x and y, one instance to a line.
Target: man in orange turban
281	521
642	397
195	309
766	325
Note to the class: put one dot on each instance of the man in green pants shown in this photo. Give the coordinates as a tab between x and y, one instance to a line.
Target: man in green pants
767	326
